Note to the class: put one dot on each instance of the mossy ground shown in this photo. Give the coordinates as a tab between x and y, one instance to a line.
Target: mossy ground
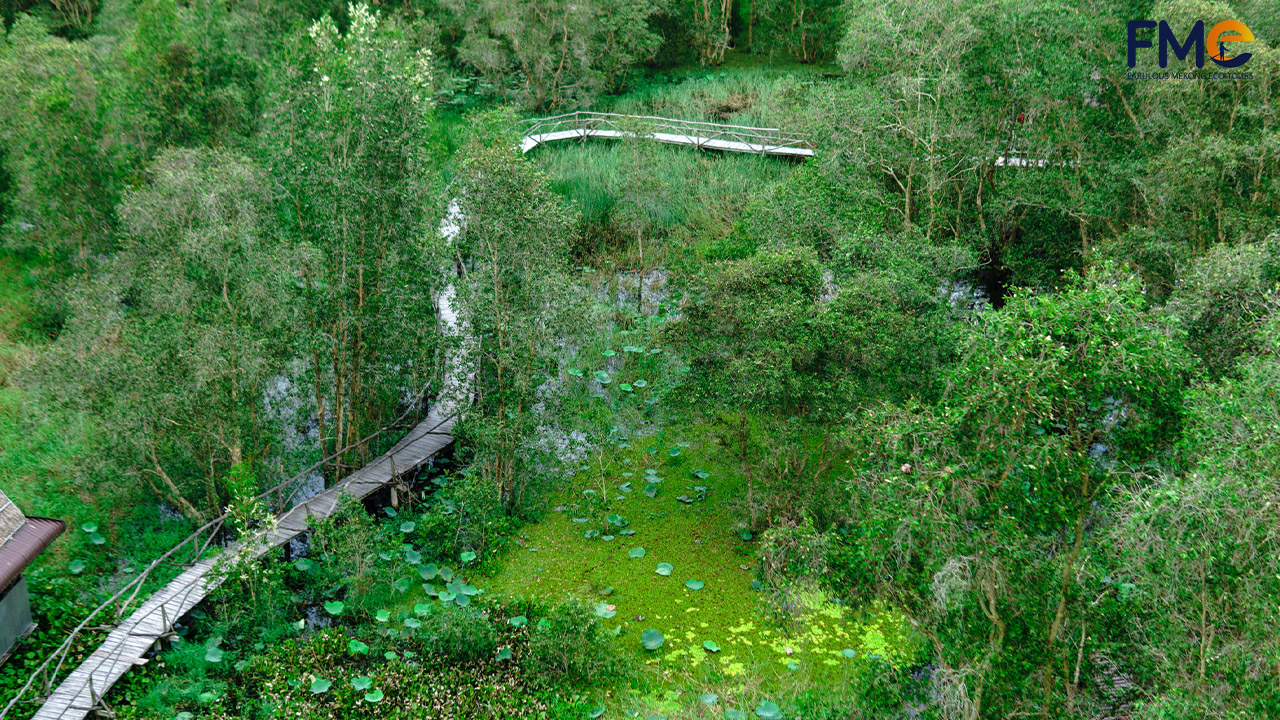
759	652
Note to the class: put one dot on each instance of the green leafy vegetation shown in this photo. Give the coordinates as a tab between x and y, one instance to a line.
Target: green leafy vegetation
972	414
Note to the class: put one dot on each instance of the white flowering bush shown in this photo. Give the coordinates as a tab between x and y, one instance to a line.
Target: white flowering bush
252	588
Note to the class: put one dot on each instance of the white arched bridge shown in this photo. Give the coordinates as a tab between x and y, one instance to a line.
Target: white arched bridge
701	135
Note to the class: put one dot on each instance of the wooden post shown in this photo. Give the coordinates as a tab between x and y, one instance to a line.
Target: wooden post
395	497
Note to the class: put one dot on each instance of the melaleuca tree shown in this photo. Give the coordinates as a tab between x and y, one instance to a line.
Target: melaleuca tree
807	30
53	123
172	344
1209	145
1222	300
190	83
351	150
919	129
976	515
782	345
1193	561
516	299
555	53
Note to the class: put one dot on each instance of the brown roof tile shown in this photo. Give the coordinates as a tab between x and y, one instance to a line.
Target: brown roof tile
28	542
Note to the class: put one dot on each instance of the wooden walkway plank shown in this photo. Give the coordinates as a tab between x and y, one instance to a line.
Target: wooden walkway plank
83	688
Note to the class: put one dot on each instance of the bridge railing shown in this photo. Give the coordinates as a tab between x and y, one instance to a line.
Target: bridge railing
699	133
183	555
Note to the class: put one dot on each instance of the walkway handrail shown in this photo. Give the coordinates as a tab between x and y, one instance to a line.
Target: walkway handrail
591	113
134	586
699	132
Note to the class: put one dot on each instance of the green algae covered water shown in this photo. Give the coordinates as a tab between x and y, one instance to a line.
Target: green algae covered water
654	543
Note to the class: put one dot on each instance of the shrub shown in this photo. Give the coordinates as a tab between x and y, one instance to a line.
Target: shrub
873	690
570	644
1223	298
459	634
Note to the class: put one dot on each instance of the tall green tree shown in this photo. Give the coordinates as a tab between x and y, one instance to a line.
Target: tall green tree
171	346
61	165
975	515
351	149
807	30
564	54
1197	556
191	84
516	299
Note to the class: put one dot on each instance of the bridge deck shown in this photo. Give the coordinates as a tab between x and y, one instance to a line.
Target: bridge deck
532	141
125	646
701	135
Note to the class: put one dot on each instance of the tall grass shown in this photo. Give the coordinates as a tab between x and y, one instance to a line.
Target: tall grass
644	203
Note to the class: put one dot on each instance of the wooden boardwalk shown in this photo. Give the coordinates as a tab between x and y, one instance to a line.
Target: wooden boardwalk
702	135
81	692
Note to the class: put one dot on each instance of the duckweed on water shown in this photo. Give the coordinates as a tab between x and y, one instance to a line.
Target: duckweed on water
713	618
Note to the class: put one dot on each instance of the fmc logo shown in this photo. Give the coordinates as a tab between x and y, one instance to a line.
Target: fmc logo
1217	40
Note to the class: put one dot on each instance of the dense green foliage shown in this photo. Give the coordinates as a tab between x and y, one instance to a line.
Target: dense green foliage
972	413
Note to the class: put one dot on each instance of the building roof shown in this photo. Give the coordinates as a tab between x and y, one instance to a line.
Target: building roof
22	539
11	518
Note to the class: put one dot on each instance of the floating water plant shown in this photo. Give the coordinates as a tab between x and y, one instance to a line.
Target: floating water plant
768	710
694	584
652	639
664	569
335	607
637	552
